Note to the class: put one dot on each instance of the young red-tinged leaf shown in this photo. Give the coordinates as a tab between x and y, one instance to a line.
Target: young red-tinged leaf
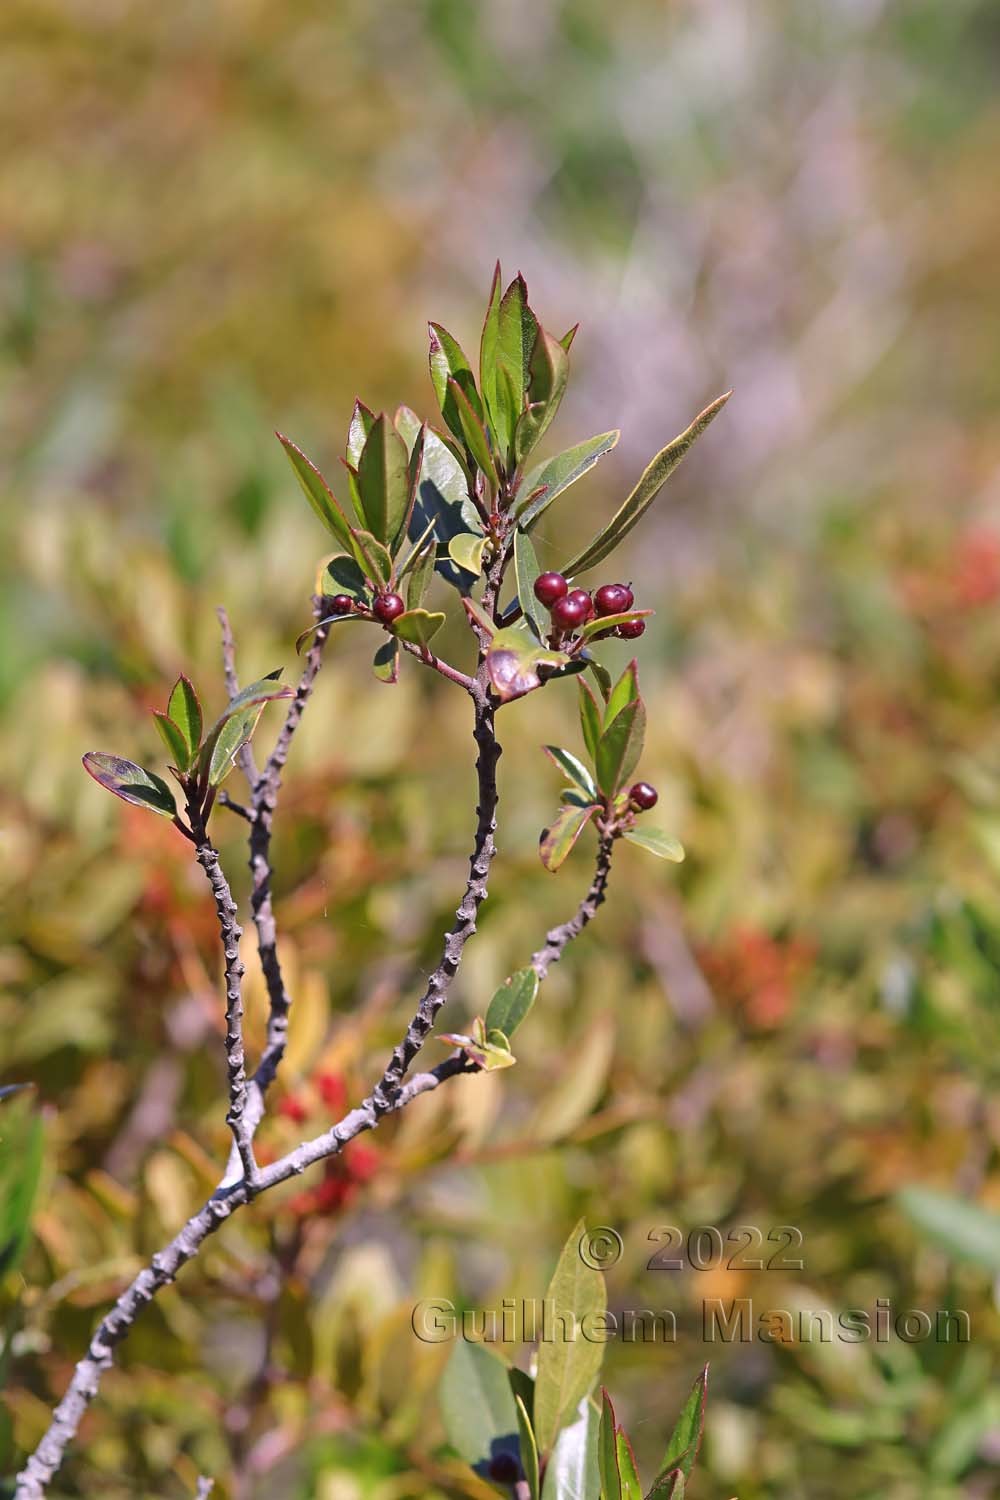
184	709
131	782
448	361
384	482
562	833
571	1472
685	1440
620	748
478	617
418	626
569	336
591	719
474	434
655	841
650	483
386	662
547	385
557	474
466	549
631	1487
607	1451
489	344
567	1368
175	742
362	422
671	1486
608	622
526	570
529	1449
515	662
317	492
512	1002
625	690
573	769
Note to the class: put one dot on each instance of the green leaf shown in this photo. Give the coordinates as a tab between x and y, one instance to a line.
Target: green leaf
245	710
529	1449
517	333
966	1230
512	1002
184	709
670	1487
370	555
573	769
625	690
567	1368
420	575
620	747
235	733
489	345
130	782
344	576
547	385
522	1384
607	1451
601	676
515	662
362	422
526	570
448	361
657	842
477	1407
466	550
569	336
22	1146
173	739
631	1488
310	630
562	833
571	1472
383	481
606	623
386	662
557	474
474	433
685	1440
651	482
417	626
317	492
591	719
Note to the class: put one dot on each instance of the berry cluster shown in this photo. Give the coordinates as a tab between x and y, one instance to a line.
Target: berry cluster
385	607
573	608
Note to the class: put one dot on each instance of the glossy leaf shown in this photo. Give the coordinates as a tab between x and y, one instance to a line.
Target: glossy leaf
512	1002
177	746
657	842
21	1158
608	622
488	346
417	626
184	708
685	1440
601	676
385	664
131	782
650	483
362	422
573	769
419	574
383	482
629	1473
567	1368
515	662
517	333
235	733
245	708
474	433
318	492
371	555
558	839
569	336
466	550
620	748
448	361
571	1472
670	1486
557	474
344	576
477	1407
591	719
529	1449
625	690
607	1451
526	570
547	385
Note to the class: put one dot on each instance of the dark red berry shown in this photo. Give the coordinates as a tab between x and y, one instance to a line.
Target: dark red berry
570	612
341	604
505	1469
584	600
631	630
549	587
613	599
642	796
388	607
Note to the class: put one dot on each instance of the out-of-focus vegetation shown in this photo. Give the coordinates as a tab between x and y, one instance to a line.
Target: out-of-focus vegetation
216	220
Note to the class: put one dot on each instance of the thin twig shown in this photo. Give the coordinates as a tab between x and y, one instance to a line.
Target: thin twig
555	940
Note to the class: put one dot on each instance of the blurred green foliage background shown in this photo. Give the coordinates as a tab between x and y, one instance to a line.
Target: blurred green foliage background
220	219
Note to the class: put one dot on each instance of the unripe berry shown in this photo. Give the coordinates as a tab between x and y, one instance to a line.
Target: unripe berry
569	612
631	630
341	604
549	587
584	600
388	607
613	599
642	796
